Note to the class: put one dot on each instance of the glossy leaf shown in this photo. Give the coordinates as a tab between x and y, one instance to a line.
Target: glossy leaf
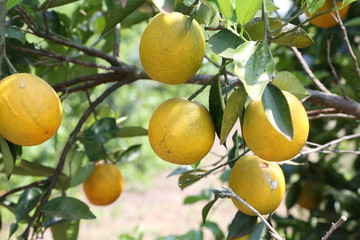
246	10
119	14
241	225
206	209
8	159
130	154
232	112
66	231
254	66
287	35
277	111
69	208
57	3
216	105
287	81
27	202
83	174
224	43
165	6
188	179
226	8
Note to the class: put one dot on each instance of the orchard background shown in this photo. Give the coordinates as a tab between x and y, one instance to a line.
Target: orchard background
88	51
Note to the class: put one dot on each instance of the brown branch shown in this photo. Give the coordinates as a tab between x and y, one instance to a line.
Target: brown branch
321	111
334	226
18	189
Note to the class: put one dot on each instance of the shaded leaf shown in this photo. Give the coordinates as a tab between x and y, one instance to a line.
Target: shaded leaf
83	174
131	132
254	66
292	195
246	10
8	159
241	225
12	3
13	228
286	81
188	179
207	207
27	202
224	43
66	231
120	13
69	208
258	232
232	112
216	105
234	151
277	111
56	3
214	228
287	35
165	6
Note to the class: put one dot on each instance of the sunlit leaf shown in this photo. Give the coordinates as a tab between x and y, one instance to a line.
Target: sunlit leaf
287	81
66	231
232	112
270	5
68	207
224	43
12	3
246	10
165	6
254	66
226	8
277	111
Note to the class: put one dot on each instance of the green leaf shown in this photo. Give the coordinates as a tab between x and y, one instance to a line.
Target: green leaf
292	195
241	225
254	66
287	81
12	3
232	112
69	208
27	201
206	209
8	159
27	168
226	8
270	5
214	228
314	5
165	6
119	14
353	22
277	111
66	231
246	10
204	195
187	179
258	232
216	105
130	154
131	132
15	34
234	151
287	35
224	43
57	3
13	228
83	174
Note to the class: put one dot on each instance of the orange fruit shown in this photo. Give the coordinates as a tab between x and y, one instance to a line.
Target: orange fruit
169	51
310	194
181	131
104	185
259	183
265	141
30	109
327	20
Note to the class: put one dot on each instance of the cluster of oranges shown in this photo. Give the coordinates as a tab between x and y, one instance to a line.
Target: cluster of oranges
182	131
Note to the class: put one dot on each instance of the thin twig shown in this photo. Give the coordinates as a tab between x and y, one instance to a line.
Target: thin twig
18	189
334	226
332	115
347	42
309	72
229	193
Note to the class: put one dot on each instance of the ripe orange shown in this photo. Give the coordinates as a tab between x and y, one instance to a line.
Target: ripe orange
169	52
310	194
259	183
30	109
181	131
327	20
104	185
265	141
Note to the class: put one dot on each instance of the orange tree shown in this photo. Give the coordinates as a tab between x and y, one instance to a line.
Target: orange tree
255	51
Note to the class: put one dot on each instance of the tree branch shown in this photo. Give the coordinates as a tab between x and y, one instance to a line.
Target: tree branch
334	226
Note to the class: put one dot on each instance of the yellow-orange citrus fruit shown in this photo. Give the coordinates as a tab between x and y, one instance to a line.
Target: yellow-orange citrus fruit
259	183
327	20
104	185
246	237
30	109
181	131
310	194
265	141
169	51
